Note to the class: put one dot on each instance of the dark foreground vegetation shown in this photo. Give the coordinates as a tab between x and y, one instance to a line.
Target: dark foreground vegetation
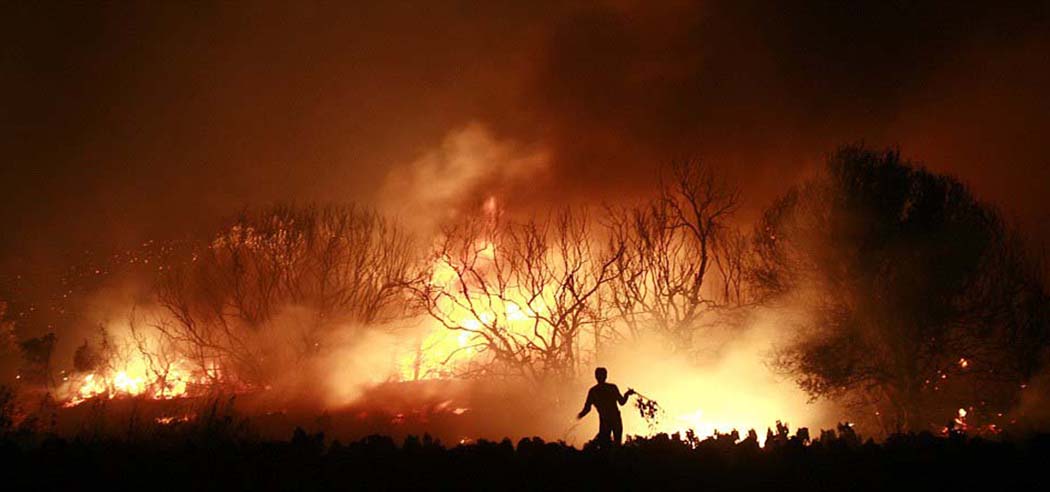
215	458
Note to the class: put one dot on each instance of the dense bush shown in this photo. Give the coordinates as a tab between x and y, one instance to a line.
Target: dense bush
835	461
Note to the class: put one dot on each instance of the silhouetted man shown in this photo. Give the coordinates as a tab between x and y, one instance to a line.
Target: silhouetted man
606	397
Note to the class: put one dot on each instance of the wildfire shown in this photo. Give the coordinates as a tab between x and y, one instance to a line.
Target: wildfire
479	301
135	380
173	419
442	350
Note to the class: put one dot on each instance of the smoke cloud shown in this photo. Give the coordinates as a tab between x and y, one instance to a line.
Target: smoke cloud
468	167
130	122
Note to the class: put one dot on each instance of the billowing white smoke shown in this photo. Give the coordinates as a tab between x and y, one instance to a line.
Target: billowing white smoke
467	167
726	385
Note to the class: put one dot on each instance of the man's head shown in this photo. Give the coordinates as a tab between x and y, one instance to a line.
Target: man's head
601	374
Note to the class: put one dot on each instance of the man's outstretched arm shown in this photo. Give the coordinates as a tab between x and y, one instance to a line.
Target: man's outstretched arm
586	407
623	398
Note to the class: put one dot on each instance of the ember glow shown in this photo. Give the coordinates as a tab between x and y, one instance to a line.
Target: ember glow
735	391
135	380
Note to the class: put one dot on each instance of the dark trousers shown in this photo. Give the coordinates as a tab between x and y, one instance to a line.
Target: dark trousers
609	425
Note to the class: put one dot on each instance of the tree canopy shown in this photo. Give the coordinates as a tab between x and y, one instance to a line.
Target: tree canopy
912	288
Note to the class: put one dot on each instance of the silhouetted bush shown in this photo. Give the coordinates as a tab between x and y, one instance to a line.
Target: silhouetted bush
194	460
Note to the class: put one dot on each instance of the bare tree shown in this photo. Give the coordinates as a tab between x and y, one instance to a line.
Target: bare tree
671	245
524	294
340	266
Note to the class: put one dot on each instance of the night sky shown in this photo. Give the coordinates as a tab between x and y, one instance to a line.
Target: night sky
126	121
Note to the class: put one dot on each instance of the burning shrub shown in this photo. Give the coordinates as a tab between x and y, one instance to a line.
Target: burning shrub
521	295
338	266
